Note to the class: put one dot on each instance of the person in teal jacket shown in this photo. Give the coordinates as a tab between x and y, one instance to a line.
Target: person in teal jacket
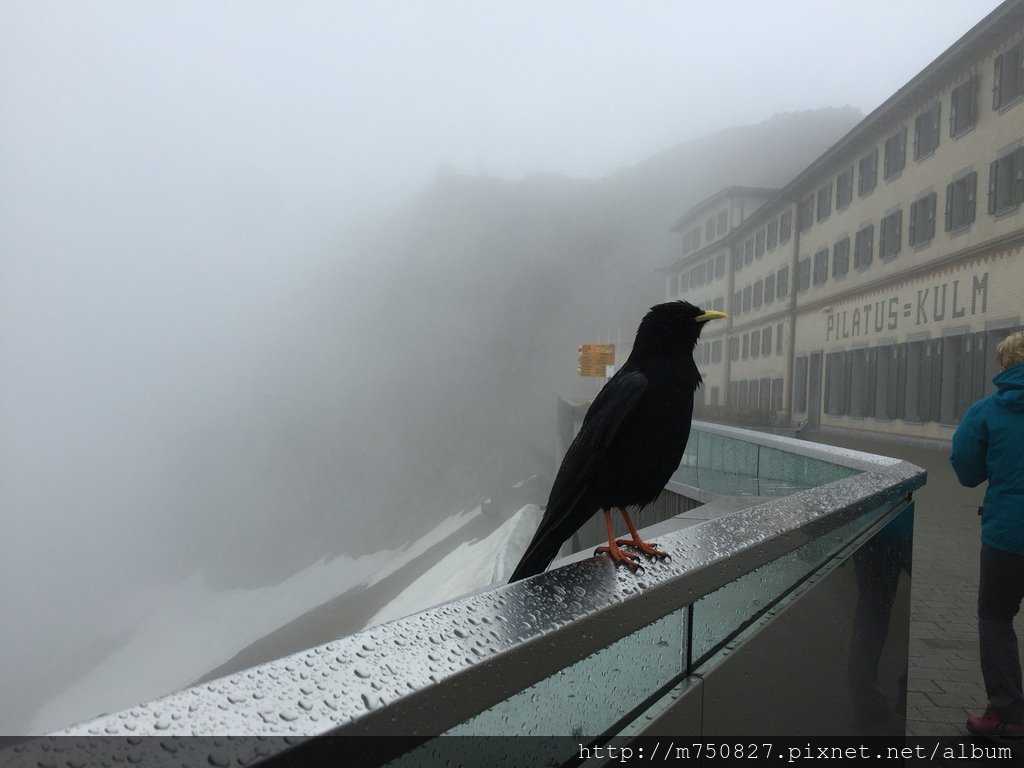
989	445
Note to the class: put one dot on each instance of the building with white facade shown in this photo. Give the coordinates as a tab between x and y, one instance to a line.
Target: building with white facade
869	293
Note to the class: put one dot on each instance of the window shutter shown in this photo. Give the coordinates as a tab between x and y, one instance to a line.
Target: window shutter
914	208
917	135
871	244
972	190
903	148
949	207
997	79
936	119
1019	61
993	168
957	92
1018	175
899	231
970	106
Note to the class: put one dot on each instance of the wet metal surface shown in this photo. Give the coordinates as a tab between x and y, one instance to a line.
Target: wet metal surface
426	673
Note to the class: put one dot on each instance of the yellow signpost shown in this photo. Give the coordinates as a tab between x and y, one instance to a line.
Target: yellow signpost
594	359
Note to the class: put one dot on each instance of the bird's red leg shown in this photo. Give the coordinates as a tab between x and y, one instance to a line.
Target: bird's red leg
612	550
648	548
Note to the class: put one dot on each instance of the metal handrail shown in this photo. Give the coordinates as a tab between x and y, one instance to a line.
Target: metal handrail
423	674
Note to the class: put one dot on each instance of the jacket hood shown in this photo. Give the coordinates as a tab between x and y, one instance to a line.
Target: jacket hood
1010	386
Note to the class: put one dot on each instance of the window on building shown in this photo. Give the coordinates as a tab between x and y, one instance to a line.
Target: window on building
862	247
764	394
746	345
926	131
890	235
772	234
963	106
1008	83
716	351
966	356
960	197
769	288
841	257
800	384
778	339
895	154
838	374
719	304
687	244
741	394
785	226
752	397
723	222
684	281
867	172
696	238
866	387
861	363
921	228
825	202
1006	182
821	266
755	343
758	293
806	212
748	251
924	380
782	284
766	341
737	303
734	348
709	230
747	297
896	396
844	188
759	244
776	394
719	266
803	274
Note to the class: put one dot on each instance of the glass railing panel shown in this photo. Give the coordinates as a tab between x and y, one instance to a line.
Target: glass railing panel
727	454
806	471
584	699
718	615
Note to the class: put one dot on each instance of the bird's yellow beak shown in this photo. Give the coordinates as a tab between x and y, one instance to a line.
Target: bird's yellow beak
711	314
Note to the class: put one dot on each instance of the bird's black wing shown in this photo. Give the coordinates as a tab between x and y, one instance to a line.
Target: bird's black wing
610	409
564	513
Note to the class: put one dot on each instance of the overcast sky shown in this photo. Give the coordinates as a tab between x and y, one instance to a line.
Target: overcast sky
365	99
175	175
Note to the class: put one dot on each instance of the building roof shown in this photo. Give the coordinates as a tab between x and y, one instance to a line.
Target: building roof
721	196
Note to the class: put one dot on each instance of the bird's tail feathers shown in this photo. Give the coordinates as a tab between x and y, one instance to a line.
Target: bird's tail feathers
537	558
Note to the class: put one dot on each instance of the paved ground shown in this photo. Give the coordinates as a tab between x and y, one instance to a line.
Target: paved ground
944	682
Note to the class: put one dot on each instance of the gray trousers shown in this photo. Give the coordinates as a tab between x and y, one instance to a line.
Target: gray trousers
1000	590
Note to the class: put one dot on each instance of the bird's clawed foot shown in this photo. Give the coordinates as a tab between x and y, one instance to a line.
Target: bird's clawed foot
619	557
648	548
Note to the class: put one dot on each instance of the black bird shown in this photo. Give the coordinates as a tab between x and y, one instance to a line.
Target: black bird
631	441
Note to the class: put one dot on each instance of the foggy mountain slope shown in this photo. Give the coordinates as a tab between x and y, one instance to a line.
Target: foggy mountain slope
422	396
368	406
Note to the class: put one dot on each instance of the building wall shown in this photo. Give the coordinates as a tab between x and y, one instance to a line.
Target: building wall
703	277
900	337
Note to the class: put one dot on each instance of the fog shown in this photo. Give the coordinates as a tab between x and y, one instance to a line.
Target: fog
227	355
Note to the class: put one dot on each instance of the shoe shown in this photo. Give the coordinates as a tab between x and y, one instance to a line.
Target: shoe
990	724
